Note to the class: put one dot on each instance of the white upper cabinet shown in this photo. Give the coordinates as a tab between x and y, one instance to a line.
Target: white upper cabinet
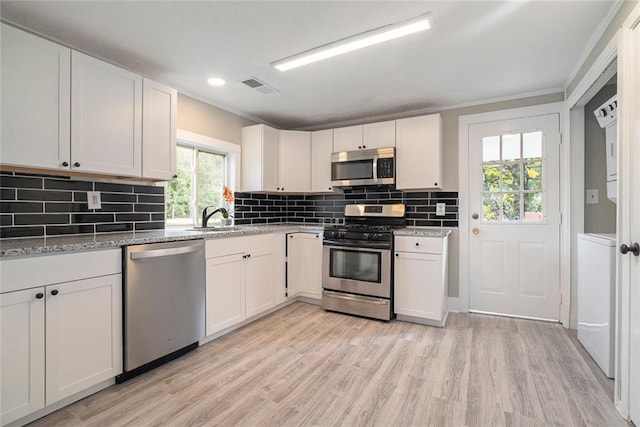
365	137
348	139
159	117
419	153
35	101
106	118
379	135
295	159
321	148
260	158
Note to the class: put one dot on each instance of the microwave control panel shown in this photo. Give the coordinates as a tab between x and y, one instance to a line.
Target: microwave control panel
385	168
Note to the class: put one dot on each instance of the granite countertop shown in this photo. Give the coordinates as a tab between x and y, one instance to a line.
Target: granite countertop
423	232
59	244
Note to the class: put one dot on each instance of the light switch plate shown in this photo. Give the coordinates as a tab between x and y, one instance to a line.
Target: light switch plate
440	209
93	200
592	197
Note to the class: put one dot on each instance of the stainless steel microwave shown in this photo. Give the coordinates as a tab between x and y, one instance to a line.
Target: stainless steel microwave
363	167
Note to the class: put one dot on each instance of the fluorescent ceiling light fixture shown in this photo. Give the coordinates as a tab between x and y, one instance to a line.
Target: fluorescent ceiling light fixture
216	81
359	41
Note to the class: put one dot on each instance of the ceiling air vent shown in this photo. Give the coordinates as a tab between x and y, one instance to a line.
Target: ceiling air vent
258	85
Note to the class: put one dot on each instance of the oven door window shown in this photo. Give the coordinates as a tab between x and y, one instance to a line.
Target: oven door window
355	169
356	265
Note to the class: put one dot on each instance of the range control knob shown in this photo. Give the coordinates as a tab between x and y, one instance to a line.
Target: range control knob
603	112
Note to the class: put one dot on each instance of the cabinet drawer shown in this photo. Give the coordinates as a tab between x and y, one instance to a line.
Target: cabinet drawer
44	270
236	245
430	245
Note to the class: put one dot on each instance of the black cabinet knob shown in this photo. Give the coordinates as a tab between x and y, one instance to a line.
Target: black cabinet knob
329	188
76	164
39	295
248	255
175	176
359	146
417	244
65	164
364	146
397	254
435	184
54	292
634	248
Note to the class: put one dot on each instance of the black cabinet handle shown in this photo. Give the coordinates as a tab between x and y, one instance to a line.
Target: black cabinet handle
54	292
175	176
397	254
435	184
364	146
76	164
329	188
248	255
634	248
417	244
65	164
39	295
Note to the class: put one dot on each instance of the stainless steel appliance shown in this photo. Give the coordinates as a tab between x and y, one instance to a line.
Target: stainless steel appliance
164	295
357	268
363	167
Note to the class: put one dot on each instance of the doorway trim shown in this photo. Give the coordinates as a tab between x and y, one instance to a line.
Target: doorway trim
463	182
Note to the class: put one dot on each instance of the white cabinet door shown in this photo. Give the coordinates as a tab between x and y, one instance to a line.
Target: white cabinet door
35	101
259	277
379	135
321	149
260	157
106	117
418	285
348	139
159	109
21	353
419	153
225	292
84	334
304	265
295	159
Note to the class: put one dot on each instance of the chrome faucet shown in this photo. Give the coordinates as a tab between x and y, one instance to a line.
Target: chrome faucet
205	217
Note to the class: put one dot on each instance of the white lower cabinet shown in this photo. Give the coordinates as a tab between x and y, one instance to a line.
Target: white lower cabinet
421	279
241	279
61	338
304	265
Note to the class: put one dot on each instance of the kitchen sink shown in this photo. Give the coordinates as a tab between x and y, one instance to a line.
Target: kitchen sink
219	228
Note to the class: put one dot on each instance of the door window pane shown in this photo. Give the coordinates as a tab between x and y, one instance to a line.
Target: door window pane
491	178
533	175
533	206
511	176
511	206
491	207
531	145
511	147
490	148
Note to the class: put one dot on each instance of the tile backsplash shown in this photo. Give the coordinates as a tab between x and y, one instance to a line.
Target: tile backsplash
42	205
258	208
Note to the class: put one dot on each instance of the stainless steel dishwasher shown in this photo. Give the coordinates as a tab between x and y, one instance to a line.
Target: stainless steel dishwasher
164	303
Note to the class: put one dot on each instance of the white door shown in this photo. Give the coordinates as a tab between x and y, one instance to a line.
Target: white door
631	233
21	353
159	118
295	161
224	292
514	207
321	148
84	334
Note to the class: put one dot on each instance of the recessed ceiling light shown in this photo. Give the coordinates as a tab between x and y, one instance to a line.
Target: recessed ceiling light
216	81
359	41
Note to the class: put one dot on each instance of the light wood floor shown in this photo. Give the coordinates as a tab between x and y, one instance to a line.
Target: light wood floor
304	366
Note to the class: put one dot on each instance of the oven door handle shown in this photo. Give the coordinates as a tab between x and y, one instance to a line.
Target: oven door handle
372	300
343	244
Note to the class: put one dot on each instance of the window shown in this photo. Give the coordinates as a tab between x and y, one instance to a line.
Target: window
203	167
512	178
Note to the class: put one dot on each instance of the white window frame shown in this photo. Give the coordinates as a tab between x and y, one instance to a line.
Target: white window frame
230	150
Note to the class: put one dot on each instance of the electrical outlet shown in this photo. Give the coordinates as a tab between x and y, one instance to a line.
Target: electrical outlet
93	200
440	209
592	197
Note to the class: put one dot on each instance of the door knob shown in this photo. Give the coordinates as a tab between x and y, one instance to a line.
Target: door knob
634	248
475	230
475	216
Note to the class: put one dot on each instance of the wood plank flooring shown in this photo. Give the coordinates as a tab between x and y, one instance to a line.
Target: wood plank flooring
304	366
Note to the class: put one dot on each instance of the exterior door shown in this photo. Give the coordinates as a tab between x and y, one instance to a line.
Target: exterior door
514	206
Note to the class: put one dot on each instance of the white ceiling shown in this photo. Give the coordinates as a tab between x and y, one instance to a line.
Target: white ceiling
476	51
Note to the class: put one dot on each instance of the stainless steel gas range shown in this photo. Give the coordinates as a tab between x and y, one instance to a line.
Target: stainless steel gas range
357	267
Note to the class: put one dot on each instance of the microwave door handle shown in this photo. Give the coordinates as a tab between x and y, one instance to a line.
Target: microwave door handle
375	169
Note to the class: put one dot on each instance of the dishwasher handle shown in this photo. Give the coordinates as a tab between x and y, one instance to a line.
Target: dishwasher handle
165	252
